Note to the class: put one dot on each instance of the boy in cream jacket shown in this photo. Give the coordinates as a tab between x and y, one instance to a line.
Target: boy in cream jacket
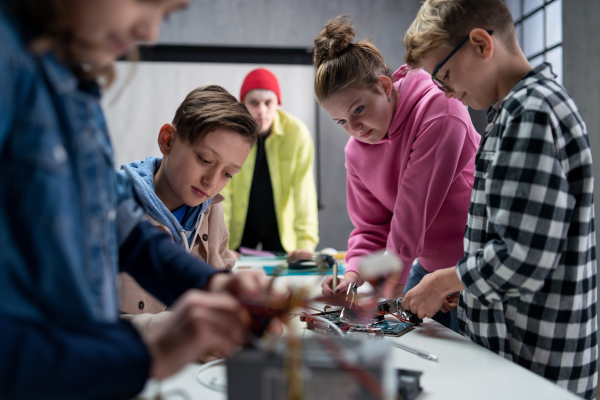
206	144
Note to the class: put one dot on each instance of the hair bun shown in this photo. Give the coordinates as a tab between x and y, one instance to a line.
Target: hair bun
333	40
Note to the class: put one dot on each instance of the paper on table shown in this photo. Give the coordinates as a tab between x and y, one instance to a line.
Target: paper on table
253	252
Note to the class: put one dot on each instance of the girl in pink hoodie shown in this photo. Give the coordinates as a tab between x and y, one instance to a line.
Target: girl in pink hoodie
409	160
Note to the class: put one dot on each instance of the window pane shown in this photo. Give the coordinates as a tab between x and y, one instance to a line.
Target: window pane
530	5
515	8
518	32
533	34
554	23
536	61
554	57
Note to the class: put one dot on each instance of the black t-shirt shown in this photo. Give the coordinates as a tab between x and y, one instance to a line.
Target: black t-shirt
261	221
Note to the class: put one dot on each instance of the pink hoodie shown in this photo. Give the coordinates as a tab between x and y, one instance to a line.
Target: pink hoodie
409	193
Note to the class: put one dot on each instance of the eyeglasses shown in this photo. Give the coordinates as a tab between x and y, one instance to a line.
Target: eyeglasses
438	82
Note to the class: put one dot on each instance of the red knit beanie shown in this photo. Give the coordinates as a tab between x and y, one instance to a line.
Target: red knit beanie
260	78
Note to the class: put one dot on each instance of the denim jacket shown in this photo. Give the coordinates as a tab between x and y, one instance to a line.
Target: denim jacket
64	212
67	224
57	219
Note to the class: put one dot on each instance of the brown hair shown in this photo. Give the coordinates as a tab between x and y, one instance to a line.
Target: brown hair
342	64
446	22
208	108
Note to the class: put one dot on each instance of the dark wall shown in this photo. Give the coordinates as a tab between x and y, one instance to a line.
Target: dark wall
581	58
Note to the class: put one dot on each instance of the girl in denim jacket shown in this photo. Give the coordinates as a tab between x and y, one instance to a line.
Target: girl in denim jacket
68	224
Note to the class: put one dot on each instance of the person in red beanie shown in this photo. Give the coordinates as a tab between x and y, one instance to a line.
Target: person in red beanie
271	204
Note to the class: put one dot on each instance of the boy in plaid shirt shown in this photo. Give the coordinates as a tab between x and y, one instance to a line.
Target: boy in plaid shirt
528	276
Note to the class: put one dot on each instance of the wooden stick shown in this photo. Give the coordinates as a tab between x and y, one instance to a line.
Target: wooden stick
334	283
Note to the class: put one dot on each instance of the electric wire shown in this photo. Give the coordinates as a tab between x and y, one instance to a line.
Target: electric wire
212	386
328	322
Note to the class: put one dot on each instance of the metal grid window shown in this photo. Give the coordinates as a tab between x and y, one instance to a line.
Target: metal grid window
538	24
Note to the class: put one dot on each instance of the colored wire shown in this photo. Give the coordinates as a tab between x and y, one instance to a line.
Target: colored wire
212	386
328	322
401	318
362	375
392	314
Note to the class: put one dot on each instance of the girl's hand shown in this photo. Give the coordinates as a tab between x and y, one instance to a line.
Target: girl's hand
342	287
200	324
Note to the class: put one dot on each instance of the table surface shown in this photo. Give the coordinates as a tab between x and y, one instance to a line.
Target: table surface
464	371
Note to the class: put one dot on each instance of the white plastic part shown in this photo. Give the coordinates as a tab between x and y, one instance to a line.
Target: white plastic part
379	264
330	251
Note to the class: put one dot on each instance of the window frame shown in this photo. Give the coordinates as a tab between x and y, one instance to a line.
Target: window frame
519	29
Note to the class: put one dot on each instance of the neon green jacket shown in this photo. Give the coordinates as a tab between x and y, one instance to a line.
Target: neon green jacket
290	156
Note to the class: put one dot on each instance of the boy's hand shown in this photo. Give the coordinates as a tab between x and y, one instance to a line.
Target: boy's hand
429	296
242	284
451	302
146	323
201	324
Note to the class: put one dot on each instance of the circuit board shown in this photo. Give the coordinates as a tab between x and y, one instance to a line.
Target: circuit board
377	323
394	328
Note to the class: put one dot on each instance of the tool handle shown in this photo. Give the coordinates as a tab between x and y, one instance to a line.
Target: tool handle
334	283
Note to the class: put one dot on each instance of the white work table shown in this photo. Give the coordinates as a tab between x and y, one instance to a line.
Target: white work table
465	370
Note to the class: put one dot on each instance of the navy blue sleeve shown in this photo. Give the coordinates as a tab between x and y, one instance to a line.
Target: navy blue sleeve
160	266
91	360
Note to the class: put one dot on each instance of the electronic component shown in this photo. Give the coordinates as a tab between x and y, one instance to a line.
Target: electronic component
378	265
377	323
394	306
409	386
394	328
347	318
320	261
317	367
302	264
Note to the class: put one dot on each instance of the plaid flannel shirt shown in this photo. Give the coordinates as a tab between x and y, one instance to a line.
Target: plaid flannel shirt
530	257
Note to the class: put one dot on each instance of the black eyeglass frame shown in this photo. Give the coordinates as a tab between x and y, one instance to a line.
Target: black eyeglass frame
438	82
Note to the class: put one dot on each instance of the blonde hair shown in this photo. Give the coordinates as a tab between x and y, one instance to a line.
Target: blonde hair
52	21
341	64
208	108
446	22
